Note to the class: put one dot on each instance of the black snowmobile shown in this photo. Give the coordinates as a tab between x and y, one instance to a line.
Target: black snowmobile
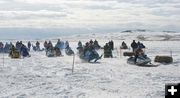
69	51
141	60
90	55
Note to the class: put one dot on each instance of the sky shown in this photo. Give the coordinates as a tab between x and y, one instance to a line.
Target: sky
102	15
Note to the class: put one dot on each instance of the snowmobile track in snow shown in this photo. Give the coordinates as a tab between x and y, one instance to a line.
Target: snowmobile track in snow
147	65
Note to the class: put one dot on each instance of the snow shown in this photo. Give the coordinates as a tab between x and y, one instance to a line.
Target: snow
43	77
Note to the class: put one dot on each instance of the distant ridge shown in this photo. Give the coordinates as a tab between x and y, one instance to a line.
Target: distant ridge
137	30
145	30
170	31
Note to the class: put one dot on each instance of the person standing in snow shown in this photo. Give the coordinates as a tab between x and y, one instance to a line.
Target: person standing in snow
80	47
107	51
45	45
29	45
134	45
111	44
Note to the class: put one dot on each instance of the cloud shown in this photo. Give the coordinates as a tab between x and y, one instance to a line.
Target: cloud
149	1
91	14
23	15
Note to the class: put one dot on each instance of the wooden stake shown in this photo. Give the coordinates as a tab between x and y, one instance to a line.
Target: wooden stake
171	53
120	53
117	52
3	57
73	63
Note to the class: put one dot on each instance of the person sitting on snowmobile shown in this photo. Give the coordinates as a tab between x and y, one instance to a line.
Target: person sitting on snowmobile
1	47
12	50
7	48
69	51
123	45
14	53
96	45
51	52
134	45
89	53
38	46
137	53
11	45
49	45
24	51
91	42
57	51
66	44
140	45
60	44
59	41
80	47
85	48
80	44
34	47
18	45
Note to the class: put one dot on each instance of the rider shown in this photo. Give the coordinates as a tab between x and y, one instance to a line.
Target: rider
29	45
134	45
137	53
38	45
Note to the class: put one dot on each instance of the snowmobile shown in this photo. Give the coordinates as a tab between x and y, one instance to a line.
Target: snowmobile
123	47
140	45
35	48
97	47
79	48
14	53
60	45
142	60
69	51
1	50
90	55
66	44
57	51
24	51
7	48
54	52
50	53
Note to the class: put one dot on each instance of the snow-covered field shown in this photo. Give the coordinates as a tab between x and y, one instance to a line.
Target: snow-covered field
43	77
